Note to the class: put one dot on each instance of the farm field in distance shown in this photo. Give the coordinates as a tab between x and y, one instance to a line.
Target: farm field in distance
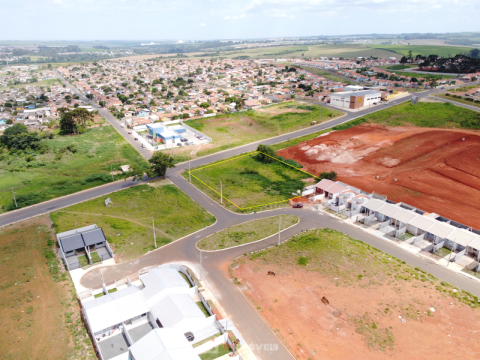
127	222
40	177
377	306
38	310
249	184
247	127
424	50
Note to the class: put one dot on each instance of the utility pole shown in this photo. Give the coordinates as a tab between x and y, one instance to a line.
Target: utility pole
228	144
14	198
279	227
221	193
111	170
278	129
189	174
154	238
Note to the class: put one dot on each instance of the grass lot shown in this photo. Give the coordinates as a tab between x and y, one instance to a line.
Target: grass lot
398	67
56	173
216	352
424	50
247	127
246	233
341	262
249	183
443	115
206	340
328	75
459	100
49	82
203	308
426	76
39	312
127	222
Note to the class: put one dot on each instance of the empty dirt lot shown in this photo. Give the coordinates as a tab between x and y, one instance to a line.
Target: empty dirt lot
433	169
378	307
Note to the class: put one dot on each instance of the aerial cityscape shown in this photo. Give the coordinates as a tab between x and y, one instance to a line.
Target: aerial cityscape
189	181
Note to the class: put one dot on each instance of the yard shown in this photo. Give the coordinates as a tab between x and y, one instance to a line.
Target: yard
238	129
39	312
246	233
215	353
249	184
127	222
334	297
40	177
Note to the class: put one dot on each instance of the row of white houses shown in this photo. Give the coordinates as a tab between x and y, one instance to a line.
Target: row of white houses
399	220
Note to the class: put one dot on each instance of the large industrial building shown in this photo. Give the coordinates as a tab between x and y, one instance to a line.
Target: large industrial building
355	99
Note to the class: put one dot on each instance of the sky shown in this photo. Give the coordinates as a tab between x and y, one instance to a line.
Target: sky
228	19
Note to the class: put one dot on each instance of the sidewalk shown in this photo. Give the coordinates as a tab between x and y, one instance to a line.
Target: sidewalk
406	245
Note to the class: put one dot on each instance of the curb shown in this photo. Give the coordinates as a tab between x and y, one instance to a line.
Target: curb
253	242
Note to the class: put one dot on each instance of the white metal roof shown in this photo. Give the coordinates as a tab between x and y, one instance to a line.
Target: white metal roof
405	216
422	222
475	243
112	309
163	344
158	280
462	237
373	204
173	309
388	210
441	229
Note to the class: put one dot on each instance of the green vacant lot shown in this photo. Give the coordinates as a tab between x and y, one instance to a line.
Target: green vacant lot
327	75
246	127
246	233
248	183
40	177
127	222
443	115
424	50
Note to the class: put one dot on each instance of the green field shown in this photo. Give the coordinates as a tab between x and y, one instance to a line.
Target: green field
249	184
49	82
127	222
424	50
426	76
328	75
442	115
246	233
461	100
40	177
397	67
247	127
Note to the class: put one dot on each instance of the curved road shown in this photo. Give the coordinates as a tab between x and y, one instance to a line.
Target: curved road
245	317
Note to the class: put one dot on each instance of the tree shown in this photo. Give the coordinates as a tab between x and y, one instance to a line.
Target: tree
18	137
410	56
403	60
332	175
266	153
102	103
137	172
159	163
75	120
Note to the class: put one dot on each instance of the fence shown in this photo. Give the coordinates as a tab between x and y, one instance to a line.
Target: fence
400	231
196	131
204	302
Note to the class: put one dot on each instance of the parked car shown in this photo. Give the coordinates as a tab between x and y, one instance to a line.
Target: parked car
189	335
467	94
179	144
136	138
122	125
298	205
183	139
143	145
129	133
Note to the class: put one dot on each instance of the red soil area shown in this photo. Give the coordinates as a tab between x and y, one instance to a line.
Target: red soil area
291	304
433	169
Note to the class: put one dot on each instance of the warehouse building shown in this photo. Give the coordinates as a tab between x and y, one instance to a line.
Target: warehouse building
355	99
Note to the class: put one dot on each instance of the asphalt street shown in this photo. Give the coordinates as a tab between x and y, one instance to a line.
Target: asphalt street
239	310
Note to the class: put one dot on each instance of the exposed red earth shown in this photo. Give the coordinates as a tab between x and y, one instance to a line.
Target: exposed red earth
435	170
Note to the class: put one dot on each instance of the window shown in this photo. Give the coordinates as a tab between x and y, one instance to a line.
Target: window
100	243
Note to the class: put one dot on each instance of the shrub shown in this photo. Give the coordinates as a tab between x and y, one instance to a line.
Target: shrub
72	148
350	124
98	177
332	175
302	260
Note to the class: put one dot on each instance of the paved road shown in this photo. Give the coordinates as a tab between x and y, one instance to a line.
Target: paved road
253	328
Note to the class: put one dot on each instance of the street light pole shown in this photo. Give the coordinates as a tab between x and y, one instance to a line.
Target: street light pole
228	144
14	198
189	174
221	193
111	170
154	237
279	227
453	249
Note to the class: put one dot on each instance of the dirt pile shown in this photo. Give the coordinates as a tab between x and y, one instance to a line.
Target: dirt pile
433	169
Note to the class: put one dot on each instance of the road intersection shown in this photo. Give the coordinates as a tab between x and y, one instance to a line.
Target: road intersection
239	310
